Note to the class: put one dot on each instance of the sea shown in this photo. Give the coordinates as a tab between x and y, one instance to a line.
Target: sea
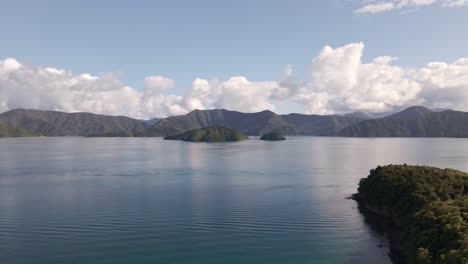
147	200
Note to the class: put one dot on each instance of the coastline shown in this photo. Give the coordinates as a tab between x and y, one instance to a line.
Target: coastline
381	218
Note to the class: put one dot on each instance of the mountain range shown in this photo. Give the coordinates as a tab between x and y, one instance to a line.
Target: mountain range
253	123
53	123
415	121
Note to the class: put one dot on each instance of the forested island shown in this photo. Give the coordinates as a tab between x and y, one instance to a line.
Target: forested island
210	134
428	207
272	137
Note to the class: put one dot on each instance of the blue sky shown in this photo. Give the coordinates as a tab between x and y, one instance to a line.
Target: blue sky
184	40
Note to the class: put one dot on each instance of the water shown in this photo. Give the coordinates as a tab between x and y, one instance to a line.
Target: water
145	200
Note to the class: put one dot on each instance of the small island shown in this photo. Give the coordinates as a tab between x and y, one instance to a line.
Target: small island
127	133
273	136
428	209
210	134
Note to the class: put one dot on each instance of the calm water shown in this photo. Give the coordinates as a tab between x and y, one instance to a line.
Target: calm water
145	200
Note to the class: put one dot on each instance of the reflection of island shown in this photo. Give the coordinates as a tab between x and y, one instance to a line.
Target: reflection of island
427	207
273	137
210	134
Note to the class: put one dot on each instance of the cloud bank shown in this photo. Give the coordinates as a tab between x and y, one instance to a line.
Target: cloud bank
339	82
377	6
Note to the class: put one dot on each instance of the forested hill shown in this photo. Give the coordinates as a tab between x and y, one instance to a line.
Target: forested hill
415	121
253	123
429	207
53	123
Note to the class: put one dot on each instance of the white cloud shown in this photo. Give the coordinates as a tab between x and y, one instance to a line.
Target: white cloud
339	82
158	83
345	83
236	93
25	86
445	85
377	6
9	64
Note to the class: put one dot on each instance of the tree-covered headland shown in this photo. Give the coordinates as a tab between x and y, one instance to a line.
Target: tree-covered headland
429	207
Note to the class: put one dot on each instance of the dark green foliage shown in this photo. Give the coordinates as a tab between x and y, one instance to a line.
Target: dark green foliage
415	121
210	134
430	205
14	132
273	137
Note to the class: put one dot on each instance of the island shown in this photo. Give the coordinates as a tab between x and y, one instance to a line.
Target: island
127	133
272	137
428	209
210	134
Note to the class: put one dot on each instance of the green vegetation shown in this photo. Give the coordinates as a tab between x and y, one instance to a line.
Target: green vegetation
210	134
429	206
273	137
6	131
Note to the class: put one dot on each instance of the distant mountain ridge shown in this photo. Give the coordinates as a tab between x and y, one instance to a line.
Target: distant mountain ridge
54	123
253	123
416	121
152	121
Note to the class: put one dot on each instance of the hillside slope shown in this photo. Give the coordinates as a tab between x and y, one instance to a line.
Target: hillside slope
53	123
252	123
415	121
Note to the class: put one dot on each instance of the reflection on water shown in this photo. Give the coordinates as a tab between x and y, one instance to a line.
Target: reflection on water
145	200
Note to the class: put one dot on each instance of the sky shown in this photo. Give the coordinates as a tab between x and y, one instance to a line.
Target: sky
149	59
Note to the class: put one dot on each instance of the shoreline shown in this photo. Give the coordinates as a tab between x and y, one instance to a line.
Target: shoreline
381	219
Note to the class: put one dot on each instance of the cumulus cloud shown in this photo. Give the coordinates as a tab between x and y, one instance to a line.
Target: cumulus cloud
25	86
345	83
342	82
236	93
158	83
445	85
339	82
377	6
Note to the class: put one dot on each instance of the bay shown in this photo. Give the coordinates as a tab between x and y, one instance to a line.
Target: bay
146	200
